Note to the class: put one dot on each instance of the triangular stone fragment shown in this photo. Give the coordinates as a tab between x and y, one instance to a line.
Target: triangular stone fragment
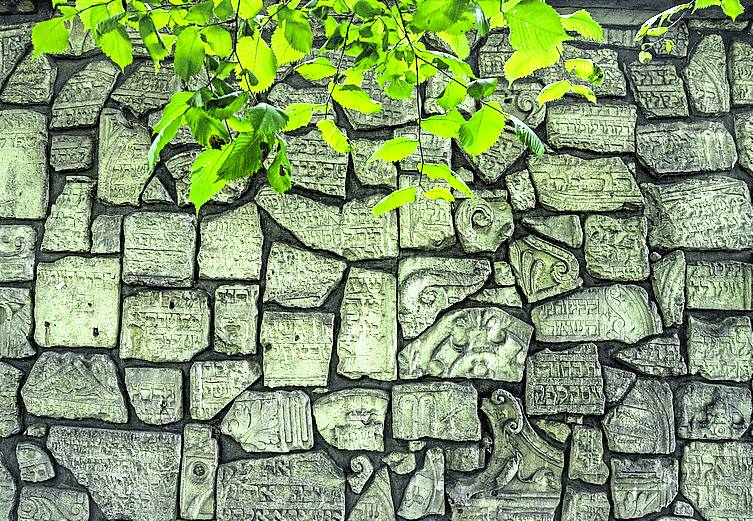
214	384
376	503
565	229
362	468
14	40
424	494
156	193
32	81
616	383
658	356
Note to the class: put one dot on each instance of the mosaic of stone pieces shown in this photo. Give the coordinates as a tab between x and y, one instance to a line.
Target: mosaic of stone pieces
572	344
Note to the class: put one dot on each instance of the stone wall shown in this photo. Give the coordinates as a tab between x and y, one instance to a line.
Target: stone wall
574	343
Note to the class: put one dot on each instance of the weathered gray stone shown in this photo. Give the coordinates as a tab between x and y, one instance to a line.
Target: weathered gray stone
159	249
469	343
520	188
75	386
117	466
239	482
587	456
658	356
367	338
618	312
400	462
658	477
744	139
278	421
424	494
15	323
352	419
726	285
580	504
506	296
425	224
557	430
34	463
198	472
543	269
428	285
145	90
568	183
376	503
711	411
297	348
720	349
658	89
179	167
214	384
520	100
7	490
644	421
77	302
706	77
24	184
59	504
683	147
436	150
741	73
156	193
300	278
67	226
14	42
165	325
235	319
503	274
362	469
681	508
707	213
668	283
10	417
80	101
568	381
231	244
615	247
493	163
316	165
466	457
282	94
565	229
122	159
156	393
606	127
493	55
376	173
17	252
106	233
721	24
32	81
441	410
484	222
617	383
70	152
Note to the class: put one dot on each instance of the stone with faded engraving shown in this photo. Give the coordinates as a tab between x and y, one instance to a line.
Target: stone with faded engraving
316	165
493	55
440	410
75	386
658	356
424	494
14	42
70	152
179	166
620	312
615	247
17	252
617	382
156	193
425	224
484	222
724	285
612	83
744	139
659	90
362	469
156	393
706	77
376	173
320	481
60	504
436	86
393	111
300	278
264	421
216	383
712	411
352	419
493	163
506	296
33	81
658	477
24	183
282	94
741	73
34	464
520	100
520	188
106	233
466	457
67	228
587	456
122	158
82	97
436	150
604	128
145	90
77	302
579	504
643	422
297	348
554	429
15	323
400	461
543	269
682	147
568	183
720	349
235	318
668	283
376	503
7	490
198	472
117	466
10	413
165	325
564	229
231	244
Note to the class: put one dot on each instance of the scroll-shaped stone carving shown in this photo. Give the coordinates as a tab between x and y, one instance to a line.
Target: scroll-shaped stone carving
520	99
469	343
615	247
67	226
38	502
741	72
216	383
123	148
484	222
565	229
7	492
428	285
34	464
352	419
10	418
424	494
642	486
319	479
618	312
658	89
606	127
658	356
725	285
441	410
231	244
720	349
81	99
712	411
32	82
156	393
17	252
543	269
522	467
682	147
145	90
15	323
376	503
668	282
706	76
235	319
587	456
363	469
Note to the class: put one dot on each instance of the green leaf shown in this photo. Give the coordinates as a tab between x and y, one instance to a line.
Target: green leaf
395	149
457	42
644	57
444	125
535	26
219	40
452	95
527	136
668	46
582	23
316	69
189	53
108	24
263	119
525	63
439	193
479	133
152	41
163	137
254	55
247	9
585	91
201	13
245	157
284	52
204	181
355	98
50	36
367	9
208	131
553	91
440	171
175	108
278	174
585	70
300	114
439	15
732	8
482	88
117	46
298	30
394	200
334	136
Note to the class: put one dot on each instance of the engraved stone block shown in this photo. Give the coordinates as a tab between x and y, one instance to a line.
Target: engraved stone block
522	194
145	90
156	193
235	318
466	457
32	81
712	412
565	229
231	244
659	356
352	419
437	150
706	77
644	420
24	182
7	488
543	269
281	94
720	349
642	486
616	383
159	249
469	343
506	296
10	418
80	101
394	111
278	421
400	462
156	393
377	173
34	463
165	325
67	227
297	348
15	323
668	283
741	73
501	156
587	456
570	184
425	224
75	386
615	247
658	89
14	41
376	503
17	243
198	472
77	302
214	384
493	55
106	233
707	213
557	430
424	495
726	285
179	167
744	139
435	87
440	410
316	165
429	285
613	82
617	312
605	127
118	466
484	222
71	152
300	278
580	504
319	479
122	159
59	504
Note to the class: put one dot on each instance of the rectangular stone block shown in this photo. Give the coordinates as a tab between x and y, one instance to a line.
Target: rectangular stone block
605	127
17	252
725	285
24	183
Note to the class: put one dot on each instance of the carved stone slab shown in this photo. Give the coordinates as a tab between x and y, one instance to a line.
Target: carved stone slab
658	89
424	494
500	157
543	269
363	469
618	312
17	243
712	412
216	383
520	99
23	171
14	41
235	319
71	152
613	83
726	285
231	244
587	456
615	247
320	481
315	165
469	343
436	149
352	419
580	504
394	111
144	90
441	410
34	465
484	222
377	173
67	226
32	81
720	349
607	128
706	77
625	38
642	486
467	457
15	323
117	466
80	101
425	224
682	147
165	326
38	502
493	55
156	393
278	421
668	283
376	503
7	491
198	472
659	356
741	73
744	139
10	419
565	229
106	233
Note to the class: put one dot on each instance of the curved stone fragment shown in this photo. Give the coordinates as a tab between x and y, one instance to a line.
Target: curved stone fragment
440	410
362	469
484	222
123	147
17	253
60	504
352	419
216	383
706	77
657	475
424	495
34	464
33	81
75	386
543	269
428	285
7	492
720	349
521	100
681	147
712	411
658	356
668	283
618	312
10	417
376	502
80	100
565	229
